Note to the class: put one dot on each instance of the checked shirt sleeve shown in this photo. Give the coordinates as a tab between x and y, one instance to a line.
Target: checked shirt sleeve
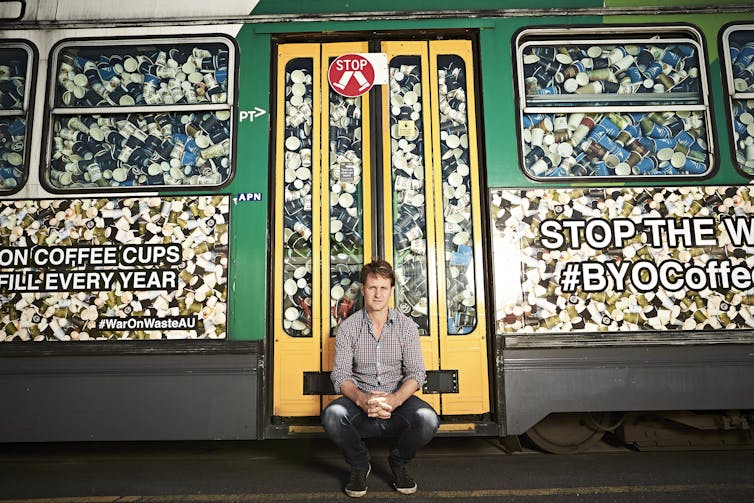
344	345
413	363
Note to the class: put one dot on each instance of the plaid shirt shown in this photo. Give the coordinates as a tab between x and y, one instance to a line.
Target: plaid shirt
374	365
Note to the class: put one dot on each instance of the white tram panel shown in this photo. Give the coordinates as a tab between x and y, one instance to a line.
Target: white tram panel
77	10
45	40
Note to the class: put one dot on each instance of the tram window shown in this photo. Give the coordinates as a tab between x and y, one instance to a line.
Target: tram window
297	185
346	189
16	62
407	175
597	106
456	188
141	113
738	52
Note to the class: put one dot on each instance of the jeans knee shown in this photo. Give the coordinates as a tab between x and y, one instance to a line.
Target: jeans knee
333	417
428	422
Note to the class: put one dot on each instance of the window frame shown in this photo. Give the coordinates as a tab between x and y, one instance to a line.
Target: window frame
53	111
666	33
27	110
21	9
729	89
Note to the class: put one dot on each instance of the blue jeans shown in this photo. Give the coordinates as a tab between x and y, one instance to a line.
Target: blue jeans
413	425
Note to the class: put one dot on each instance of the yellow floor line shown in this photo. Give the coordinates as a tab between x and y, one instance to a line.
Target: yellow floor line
445	495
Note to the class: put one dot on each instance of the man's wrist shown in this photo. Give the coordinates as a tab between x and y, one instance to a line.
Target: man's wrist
362	398
399	397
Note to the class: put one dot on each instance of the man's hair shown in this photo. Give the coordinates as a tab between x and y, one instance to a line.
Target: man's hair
380	268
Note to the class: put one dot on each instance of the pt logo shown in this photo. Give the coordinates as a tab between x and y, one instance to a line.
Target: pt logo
351	75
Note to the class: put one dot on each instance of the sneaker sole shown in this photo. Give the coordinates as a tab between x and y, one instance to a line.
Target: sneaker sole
359	494
356	494
405	490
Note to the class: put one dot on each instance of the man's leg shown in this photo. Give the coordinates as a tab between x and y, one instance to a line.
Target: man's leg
342	420
419	423
416	423
345	423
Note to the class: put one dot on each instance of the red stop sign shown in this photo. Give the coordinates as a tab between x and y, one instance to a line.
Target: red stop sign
351	75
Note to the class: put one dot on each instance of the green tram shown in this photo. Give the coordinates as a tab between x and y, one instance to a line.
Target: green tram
188	191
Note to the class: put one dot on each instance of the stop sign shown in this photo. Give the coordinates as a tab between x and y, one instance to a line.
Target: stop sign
351	75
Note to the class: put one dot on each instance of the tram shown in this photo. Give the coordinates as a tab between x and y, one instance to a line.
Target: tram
189	190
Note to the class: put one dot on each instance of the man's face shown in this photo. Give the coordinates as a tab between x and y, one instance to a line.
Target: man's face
376	291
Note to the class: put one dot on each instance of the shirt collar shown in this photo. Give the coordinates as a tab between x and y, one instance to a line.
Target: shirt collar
390	315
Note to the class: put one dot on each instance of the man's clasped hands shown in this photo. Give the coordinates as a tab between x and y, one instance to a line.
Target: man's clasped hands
380	404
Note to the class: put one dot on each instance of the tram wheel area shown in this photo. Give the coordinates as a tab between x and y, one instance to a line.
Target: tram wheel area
573	433
562	433
583	432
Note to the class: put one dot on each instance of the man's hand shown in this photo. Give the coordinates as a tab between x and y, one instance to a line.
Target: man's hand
377	405
381	404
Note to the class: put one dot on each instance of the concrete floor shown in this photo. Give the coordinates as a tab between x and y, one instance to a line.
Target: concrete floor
449	469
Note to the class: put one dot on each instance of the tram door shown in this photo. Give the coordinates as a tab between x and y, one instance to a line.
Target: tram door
392	173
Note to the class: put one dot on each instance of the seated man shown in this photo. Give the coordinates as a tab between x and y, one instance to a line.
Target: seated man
378	368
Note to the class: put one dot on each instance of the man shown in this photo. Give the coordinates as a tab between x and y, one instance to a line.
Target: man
378	368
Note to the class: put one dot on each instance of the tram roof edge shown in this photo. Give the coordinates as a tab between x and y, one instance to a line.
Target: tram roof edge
373	15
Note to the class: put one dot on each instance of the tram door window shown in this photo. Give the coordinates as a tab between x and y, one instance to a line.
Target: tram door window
738	58
297	322
16	76
418	205
432	227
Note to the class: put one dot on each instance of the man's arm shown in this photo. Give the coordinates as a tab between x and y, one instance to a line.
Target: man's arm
360	398
342	372
396	398
413	362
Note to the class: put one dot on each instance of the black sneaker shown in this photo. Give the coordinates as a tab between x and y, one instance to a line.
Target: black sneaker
357	486
404	484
